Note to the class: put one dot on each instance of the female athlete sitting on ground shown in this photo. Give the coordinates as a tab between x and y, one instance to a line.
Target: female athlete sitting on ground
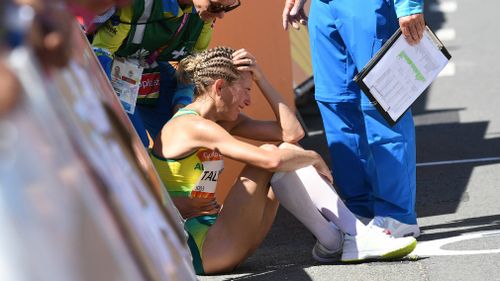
188	156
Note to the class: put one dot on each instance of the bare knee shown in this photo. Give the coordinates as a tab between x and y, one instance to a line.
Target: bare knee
254	175
290	146
269	147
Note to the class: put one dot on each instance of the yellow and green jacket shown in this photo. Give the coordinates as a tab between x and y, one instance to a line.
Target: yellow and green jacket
150	31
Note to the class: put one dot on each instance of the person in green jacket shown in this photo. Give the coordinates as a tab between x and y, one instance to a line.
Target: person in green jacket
137	45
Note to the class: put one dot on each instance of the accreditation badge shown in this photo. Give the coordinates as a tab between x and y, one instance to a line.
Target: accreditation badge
126	81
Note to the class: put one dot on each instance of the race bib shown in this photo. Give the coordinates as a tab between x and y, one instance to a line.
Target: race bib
212	168
126	81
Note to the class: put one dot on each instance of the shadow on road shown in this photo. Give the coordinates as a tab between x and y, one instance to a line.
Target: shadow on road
442	188
441	137
462	226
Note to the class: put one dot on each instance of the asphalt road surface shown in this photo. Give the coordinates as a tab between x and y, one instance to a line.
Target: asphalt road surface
458	172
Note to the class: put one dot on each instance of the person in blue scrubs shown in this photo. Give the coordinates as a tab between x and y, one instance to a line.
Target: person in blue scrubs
373	162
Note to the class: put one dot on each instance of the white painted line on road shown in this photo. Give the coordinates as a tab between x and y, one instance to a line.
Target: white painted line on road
434	247
449	70
315	133
444	7
274	268
464	161
446	34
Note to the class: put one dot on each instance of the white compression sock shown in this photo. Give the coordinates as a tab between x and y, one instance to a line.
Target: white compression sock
322	195
296	200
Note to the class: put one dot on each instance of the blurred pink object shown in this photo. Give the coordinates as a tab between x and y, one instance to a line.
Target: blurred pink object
87	10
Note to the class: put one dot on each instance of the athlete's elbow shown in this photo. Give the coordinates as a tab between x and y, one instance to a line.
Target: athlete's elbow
294	136
272	160
273	163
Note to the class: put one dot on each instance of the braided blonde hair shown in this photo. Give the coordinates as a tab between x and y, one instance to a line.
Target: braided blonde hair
202	69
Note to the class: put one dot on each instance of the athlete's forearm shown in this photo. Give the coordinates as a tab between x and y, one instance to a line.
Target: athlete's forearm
291	129
293	159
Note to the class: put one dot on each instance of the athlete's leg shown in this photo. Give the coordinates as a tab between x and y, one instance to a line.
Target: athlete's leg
361	242
295	198
246	214
268	217
270	210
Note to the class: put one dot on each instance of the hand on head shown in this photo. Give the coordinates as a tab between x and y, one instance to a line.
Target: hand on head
213	9
293	14
245	61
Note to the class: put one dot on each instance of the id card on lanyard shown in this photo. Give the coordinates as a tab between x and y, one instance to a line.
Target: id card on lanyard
126	81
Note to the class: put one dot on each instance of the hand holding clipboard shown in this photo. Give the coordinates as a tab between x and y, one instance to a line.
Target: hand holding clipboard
399	73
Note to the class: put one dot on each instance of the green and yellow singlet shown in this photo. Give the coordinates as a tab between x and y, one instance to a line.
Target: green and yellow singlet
192	176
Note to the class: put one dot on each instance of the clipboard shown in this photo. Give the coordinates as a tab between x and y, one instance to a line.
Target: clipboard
399	73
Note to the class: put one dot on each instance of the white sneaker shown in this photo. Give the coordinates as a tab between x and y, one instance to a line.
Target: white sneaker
376	245
395	227
322	254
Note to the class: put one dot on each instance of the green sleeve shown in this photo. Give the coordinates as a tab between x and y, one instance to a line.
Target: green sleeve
204	38
110	37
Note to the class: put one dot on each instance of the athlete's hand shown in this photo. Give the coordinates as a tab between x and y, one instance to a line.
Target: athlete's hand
293	13
320	164
245	61
203	8
413	27
200	206
323	169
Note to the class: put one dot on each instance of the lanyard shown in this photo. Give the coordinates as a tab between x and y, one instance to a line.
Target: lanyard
153	56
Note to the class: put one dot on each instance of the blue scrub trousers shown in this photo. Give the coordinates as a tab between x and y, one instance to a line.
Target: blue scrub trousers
373	163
